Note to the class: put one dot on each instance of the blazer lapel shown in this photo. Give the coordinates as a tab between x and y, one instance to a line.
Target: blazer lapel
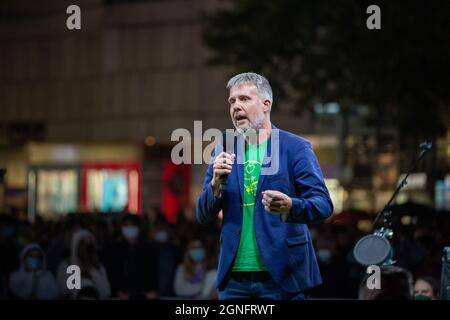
239	164
267	160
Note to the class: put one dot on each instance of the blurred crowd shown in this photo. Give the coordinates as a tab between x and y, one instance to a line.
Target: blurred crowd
126	256
120	256
417	249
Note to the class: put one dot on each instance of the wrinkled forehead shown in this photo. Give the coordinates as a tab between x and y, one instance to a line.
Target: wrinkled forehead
246	88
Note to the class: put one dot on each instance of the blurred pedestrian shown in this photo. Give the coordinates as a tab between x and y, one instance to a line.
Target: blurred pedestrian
132	263
9	249
193	279
32	280
395	284
84	255
169	255
426	288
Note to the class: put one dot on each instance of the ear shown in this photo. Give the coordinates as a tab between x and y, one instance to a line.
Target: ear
267	104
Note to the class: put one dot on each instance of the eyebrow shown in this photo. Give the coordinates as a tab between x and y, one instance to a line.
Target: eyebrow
241	95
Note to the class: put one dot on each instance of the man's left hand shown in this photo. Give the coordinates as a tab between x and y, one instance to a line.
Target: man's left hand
276	202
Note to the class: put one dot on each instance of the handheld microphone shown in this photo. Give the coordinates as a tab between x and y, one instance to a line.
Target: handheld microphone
223	182
223	177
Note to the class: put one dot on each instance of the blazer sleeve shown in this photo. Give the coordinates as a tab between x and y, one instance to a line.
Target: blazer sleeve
312	203
208	205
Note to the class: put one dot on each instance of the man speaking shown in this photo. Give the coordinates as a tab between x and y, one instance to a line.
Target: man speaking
266	249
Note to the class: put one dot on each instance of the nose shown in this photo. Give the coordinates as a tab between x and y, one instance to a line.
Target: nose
236	107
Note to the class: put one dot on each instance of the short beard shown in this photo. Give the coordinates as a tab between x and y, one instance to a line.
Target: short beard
246	132
258	124
253	128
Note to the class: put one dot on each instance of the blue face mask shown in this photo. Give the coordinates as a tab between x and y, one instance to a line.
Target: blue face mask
197	254
34	263
161	236
130	232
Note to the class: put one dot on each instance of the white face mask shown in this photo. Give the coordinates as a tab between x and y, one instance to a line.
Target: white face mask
161	236
324	255
130	232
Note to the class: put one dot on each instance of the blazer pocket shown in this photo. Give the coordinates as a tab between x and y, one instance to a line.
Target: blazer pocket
297	240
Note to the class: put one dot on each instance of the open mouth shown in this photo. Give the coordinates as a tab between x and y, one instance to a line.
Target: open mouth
240	118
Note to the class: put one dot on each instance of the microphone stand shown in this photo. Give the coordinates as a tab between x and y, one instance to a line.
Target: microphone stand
386	230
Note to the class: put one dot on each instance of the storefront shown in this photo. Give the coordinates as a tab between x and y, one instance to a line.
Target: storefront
52	190
113	186
82	177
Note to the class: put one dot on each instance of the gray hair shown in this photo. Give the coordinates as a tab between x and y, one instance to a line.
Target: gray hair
263	87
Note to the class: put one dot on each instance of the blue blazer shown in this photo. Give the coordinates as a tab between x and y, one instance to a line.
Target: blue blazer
284	243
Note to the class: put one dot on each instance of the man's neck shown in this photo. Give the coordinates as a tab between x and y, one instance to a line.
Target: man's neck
262	135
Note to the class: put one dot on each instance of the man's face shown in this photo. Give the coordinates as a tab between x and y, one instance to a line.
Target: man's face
246	108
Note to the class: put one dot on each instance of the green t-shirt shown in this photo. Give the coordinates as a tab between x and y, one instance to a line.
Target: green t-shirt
248	257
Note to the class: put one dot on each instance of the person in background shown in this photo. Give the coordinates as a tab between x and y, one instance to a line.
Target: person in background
9	249
169	255
2	287
333	268
185	227
396	284
426	288
32	280
87	293
192	278
84	254
59	247
131	263
154	215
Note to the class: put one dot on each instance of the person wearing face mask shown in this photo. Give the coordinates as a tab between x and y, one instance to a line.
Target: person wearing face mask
426	288
131	263
168	257
333	269
193	279
83	253
396	284
324	255
32	280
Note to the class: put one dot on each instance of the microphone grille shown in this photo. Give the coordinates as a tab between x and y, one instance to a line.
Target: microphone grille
372	250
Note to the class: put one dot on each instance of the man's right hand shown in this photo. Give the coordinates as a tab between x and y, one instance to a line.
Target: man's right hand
222	165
